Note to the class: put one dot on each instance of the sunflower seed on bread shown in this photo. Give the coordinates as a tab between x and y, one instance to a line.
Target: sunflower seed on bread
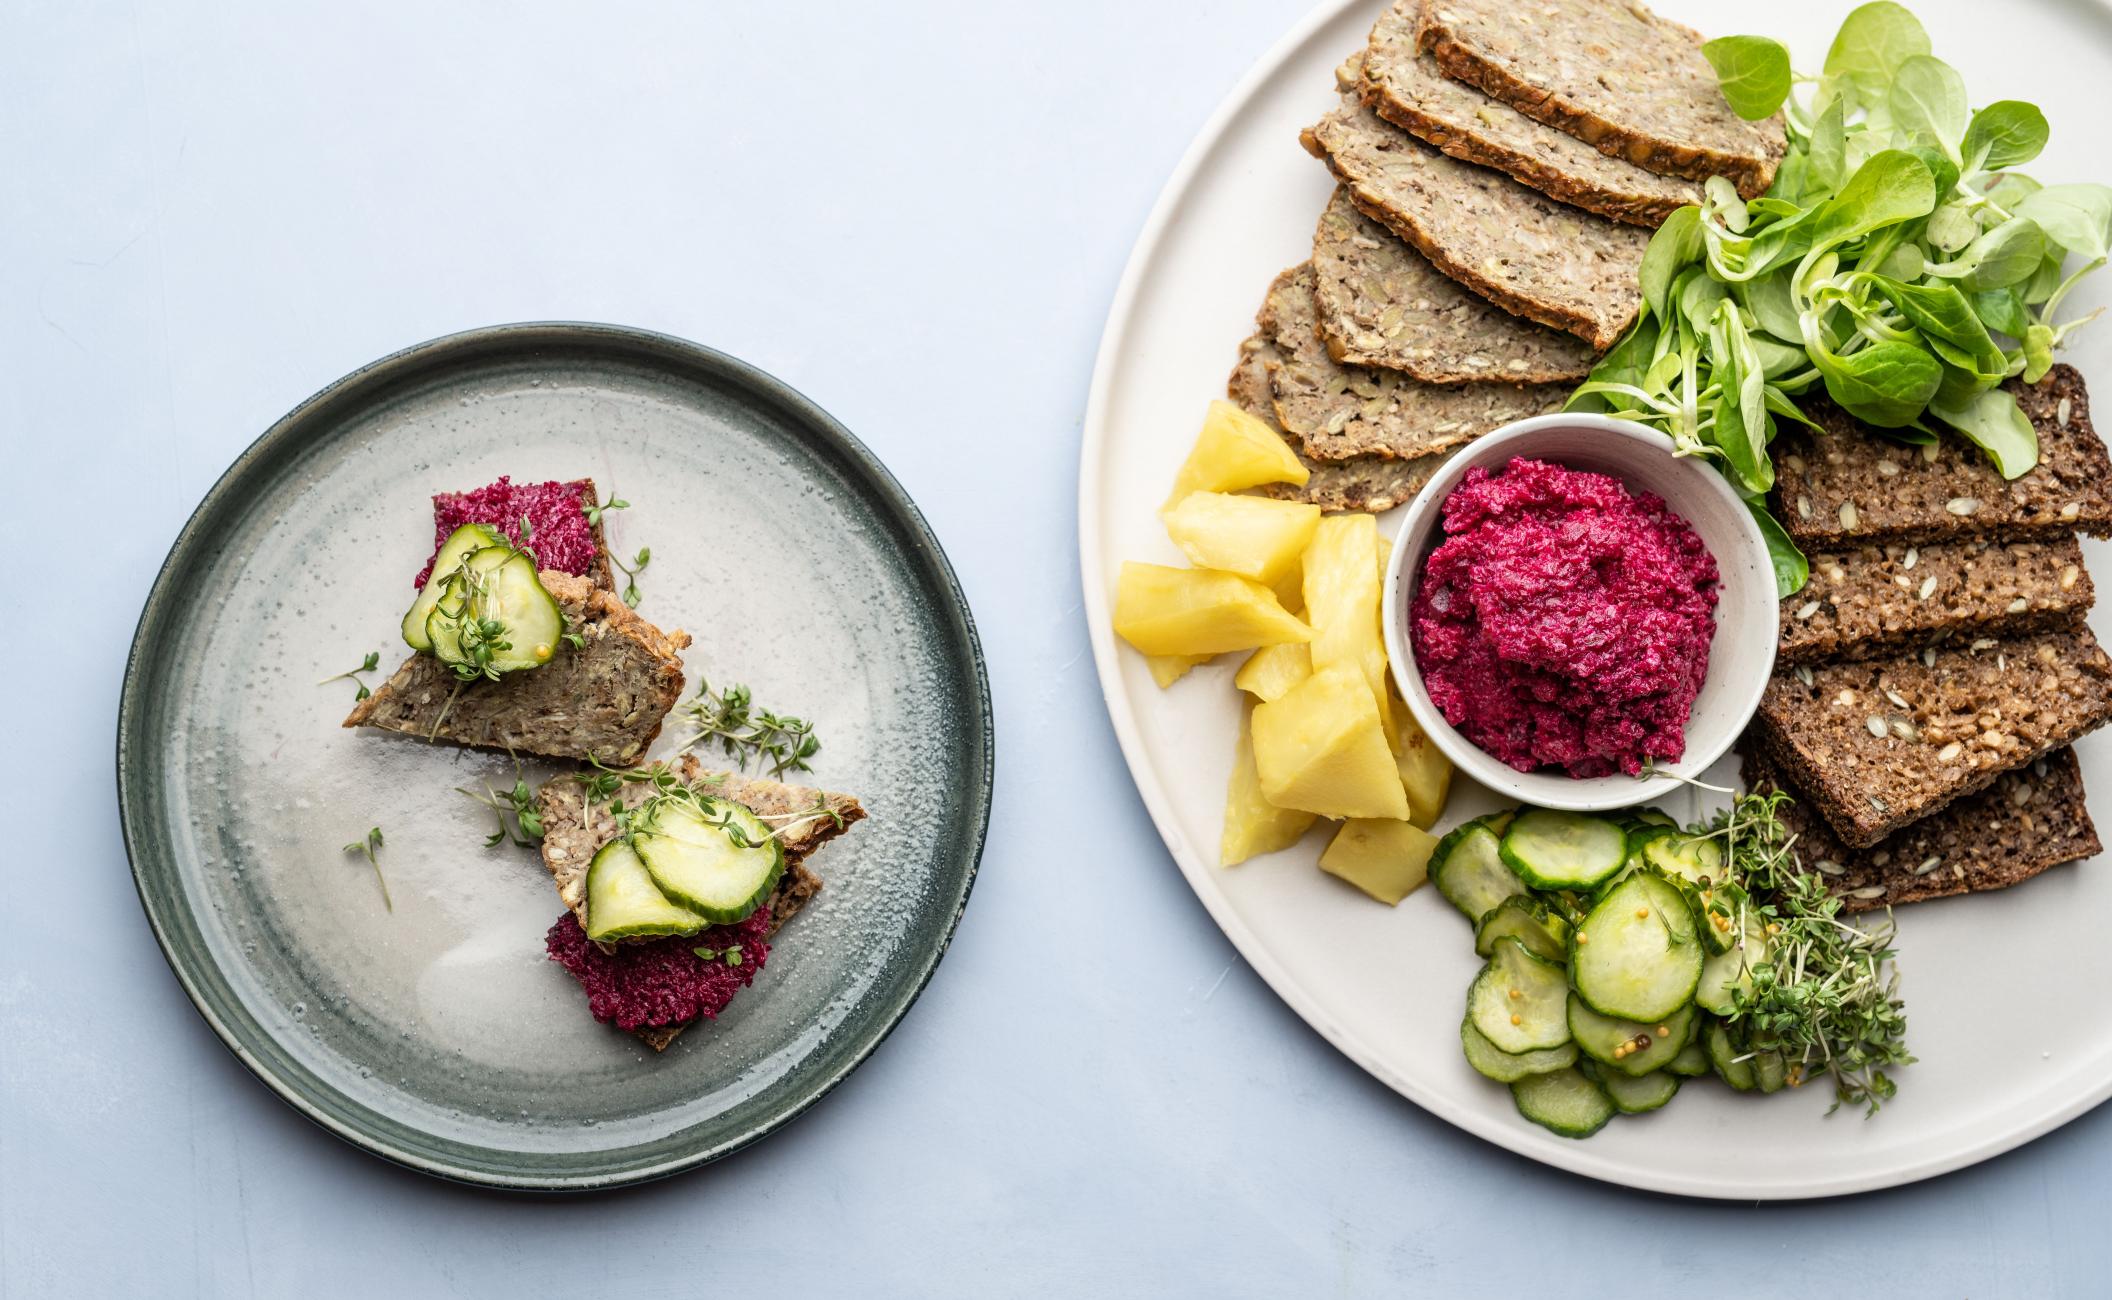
1382	304
1513	245
1406	87
1611	73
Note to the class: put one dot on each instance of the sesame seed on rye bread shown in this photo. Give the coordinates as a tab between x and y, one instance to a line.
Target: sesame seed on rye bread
1853	484
574	831
1337	411
1373	484
1382	304
1611	73
603	699
2028	820
1513	245
1876	744
1870	602
1406	87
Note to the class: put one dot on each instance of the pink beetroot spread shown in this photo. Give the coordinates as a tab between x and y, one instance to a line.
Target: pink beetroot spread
1564	622
563	538
663	982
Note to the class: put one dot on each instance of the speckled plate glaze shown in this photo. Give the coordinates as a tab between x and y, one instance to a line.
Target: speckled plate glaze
436	1034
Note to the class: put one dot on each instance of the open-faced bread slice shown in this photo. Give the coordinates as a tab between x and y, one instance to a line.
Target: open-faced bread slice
575	829
602	699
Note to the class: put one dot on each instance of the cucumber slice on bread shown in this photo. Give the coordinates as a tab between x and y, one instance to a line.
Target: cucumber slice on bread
495	585
623	902
457	548
712	856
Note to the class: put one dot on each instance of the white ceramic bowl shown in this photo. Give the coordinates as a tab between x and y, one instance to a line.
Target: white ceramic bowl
1741	655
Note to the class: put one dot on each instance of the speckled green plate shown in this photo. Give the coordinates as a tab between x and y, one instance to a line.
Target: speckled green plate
436	1034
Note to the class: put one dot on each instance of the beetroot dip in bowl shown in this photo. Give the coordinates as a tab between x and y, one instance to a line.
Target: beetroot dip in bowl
1596	608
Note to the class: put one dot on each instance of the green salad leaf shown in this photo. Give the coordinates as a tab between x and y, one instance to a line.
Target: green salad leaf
1898	265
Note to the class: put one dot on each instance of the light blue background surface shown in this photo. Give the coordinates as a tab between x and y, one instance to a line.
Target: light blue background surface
917	215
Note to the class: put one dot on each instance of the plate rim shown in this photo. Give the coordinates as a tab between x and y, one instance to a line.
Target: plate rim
1515	1137
662	349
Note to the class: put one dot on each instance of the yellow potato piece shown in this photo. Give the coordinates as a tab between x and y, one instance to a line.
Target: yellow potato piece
1320	748
1251	536
1426	774
1167	611
1235	451
1386	859
1274	669
1168	669
1253	825
1342	604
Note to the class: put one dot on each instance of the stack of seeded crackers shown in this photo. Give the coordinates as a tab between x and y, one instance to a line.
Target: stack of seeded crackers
1936	669
1495	191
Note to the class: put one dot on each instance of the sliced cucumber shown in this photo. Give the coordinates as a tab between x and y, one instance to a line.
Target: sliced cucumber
1692	1061
623	903
1629	1046
1723	1056
1528	920
1698	862
712	856
1653	817
1770	1071
1724	973
1468	869
1507	1067
1519	1002
1563	1102
1637	956
457	548
1638	1093
1562	850
498	583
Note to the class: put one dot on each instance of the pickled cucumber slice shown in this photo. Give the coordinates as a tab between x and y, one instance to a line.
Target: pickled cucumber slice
711	856
457	548
497	583
623	903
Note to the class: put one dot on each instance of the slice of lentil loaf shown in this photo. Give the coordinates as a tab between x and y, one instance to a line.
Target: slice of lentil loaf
1523	251
1373	484
1611	73
1406	87
1879	743
1382	304
574	831
1871	602
1337	411
2028	820
604	699
1853	484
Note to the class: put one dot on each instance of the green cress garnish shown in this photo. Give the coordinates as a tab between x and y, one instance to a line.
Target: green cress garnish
369	846
367	665
748	734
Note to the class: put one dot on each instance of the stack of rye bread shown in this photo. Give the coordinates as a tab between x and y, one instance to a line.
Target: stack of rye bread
1500	166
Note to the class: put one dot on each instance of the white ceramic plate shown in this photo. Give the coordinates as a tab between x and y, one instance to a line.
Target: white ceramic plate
2000	1064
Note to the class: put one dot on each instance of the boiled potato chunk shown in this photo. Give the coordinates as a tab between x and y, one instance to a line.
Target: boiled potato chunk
1168	669
1342	603
1253	825
1426	774
1386	859
1320	748
1251	536
1235	450
1167	611
1274	669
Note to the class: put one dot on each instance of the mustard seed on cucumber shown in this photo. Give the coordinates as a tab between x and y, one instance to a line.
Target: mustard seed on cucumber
1627	954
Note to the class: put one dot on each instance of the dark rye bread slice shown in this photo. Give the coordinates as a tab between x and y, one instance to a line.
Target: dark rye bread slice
1382	304
605	699
2028	820
1373	484
1852	484
1513	245
1877	744
1407	88
1611	73
1872	602
574	831
1337	411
